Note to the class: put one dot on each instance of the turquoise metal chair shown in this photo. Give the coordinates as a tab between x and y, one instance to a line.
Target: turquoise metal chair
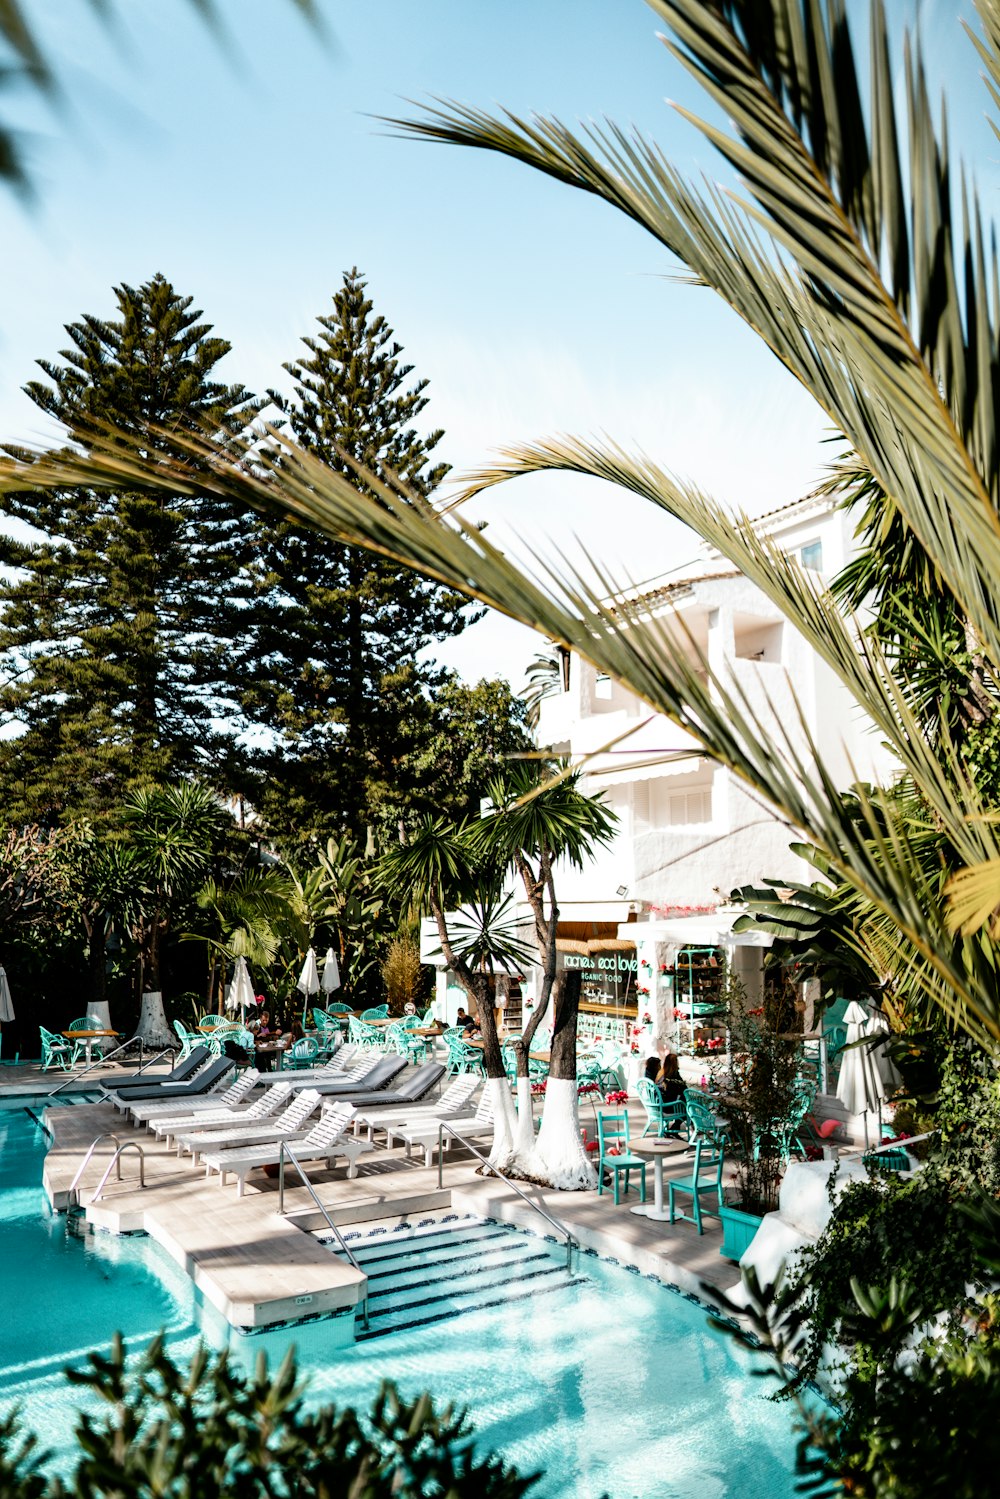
665	1118
303	1054
702	1117
190	1039
462	1058
705	1180
403	1043
613	1134
209	1022
55	1051
376	1012
364	1036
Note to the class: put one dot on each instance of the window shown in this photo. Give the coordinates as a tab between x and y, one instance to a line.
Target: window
688	807
602	687
811	556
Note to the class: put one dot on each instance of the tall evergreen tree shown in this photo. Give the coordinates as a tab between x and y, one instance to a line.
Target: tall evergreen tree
117	630
339	633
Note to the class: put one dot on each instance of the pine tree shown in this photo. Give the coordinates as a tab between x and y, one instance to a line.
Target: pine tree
118	630
338	632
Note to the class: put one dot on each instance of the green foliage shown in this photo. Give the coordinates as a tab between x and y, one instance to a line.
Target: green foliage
900	1229
915	1231
760	1089
174	834
119	637
473	730
208	1430
925	1428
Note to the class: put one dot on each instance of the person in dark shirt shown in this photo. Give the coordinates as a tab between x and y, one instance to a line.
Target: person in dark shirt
669	1080
465	1022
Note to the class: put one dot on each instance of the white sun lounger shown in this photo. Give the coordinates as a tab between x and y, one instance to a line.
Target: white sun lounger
221	1099
454	1100
263	1107
425	1133
325	1141
252	1132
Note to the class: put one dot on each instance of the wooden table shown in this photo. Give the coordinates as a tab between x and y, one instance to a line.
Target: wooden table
656	1150
88	1038
272	1049
534	1056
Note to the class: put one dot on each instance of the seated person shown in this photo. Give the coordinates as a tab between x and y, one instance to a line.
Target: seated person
263	1035
465	1022
669	1081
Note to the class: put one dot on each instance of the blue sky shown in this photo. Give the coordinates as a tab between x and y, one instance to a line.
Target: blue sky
252	176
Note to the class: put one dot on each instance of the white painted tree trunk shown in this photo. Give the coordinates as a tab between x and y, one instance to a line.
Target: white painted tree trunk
152	1025
100	1009
524	1140
504	1122
559	1157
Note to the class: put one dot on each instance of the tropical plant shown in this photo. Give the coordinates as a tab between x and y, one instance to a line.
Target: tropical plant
853	270
253	916
760	1089
209	1429
173	835
543	678
537	820
936	1436
439	869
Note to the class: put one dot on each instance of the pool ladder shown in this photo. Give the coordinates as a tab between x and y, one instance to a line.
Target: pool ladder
73	1196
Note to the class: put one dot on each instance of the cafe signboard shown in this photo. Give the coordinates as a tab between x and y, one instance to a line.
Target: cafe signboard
608	974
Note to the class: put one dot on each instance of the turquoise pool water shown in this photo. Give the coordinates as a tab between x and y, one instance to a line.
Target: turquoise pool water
616	1385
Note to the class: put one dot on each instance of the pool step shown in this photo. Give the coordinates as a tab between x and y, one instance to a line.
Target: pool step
427	1274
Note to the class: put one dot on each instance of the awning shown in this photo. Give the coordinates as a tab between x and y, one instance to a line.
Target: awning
713	930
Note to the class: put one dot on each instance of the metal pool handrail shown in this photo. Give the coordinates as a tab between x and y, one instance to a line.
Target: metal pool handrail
86	1162
116	1161
571	1241
283	1150
76	1076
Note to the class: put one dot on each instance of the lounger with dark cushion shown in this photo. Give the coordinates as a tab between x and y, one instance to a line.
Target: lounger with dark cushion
379	1078
417	1086
179	1073
194	1085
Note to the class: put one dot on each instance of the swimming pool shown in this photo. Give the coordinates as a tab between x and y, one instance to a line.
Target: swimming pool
614	1385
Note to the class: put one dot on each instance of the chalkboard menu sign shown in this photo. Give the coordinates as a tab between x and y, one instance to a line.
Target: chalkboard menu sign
608	975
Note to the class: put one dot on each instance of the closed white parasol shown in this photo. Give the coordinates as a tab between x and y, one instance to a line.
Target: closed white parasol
6	1007
241	989
860	1087
309	977
331	972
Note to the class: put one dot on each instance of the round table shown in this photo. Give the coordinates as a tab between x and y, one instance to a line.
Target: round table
88	1038
656	1150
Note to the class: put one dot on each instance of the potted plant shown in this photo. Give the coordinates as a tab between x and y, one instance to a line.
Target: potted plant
760	1092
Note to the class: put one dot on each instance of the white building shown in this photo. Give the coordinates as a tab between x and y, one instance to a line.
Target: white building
689	831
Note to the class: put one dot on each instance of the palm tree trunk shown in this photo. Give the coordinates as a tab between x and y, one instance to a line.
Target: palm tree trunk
559	1156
